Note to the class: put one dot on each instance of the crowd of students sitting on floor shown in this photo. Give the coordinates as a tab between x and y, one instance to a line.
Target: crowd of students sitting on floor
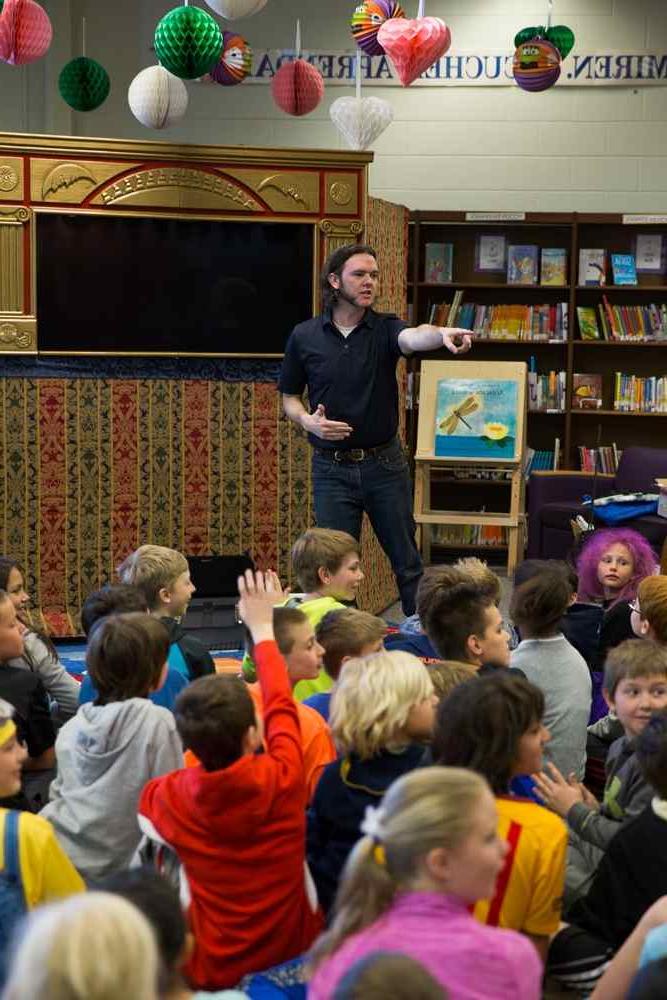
363	811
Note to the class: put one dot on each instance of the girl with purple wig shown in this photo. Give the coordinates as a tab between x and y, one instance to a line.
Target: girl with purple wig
611	565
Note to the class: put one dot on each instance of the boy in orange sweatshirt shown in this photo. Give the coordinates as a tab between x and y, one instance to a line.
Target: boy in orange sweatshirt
237	820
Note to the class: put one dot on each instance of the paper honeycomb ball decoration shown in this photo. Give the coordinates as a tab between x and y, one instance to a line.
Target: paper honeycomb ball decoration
84	84
235	61
367	19
414	45
188	42
361	120
536	65
233	9
297	87
157	99
25	32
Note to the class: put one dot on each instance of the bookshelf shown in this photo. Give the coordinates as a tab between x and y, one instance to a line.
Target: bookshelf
574	427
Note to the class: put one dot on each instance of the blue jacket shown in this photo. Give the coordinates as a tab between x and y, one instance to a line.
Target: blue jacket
346	787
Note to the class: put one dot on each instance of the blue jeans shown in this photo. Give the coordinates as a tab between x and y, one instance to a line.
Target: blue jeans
381	486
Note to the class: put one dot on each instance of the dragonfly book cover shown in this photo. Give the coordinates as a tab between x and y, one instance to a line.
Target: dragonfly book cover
476	418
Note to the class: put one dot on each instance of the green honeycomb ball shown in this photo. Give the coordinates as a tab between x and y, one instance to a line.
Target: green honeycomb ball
84	84
188	42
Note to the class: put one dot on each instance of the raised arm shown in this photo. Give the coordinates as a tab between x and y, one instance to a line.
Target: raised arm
429	338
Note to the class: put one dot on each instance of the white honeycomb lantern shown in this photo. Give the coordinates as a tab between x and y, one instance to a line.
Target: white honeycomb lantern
157	98
233	9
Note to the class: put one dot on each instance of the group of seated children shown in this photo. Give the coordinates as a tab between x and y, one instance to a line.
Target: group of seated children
340	800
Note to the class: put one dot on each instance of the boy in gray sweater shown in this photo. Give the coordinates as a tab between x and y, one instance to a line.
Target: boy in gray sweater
635	686
113	746
553	665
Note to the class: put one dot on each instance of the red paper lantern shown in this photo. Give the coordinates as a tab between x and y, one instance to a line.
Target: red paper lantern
25	32
297	87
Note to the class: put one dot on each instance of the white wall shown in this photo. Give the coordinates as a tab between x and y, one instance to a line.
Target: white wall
586	149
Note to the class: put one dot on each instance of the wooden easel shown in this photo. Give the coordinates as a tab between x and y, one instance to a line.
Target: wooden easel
426	462
513	520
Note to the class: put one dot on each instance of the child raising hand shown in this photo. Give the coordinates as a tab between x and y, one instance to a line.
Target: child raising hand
259	594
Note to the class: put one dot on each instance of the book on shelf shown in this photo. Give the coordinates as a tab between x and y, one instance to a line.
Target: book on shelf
650	253
592	266
543	322
588	324
633	322
546	393
604	459
553	266
522	264
586	392
634	394
490	252
624	268
438	263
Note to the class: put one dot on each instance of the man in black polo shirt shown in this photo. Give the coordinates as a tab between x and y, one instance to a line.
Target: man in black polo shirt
346	358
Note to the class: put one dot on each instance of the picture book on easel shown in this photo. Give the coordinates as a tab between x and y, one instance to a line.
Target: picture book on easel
476	418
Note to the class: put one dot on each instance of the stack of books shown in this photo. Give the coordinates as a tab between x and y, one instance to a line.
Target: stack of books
541	461
482	535
476	472
546	392
544	322
617	322
638	322
604	459
633	394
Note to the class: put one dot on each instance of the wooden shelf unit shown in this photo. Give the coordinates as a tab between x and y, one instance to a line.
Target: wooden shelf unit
571	231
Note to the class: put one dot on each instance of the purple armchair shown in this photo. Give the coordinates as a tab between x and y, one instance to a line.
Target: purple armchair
554	498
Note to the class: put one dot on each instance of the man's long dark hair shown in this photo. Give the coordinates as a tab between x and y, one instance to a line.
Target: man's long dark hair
334	264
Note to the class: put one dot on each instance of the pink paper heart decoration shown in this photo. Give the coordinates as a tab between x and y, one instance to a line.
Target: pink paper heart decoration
361	120
414	45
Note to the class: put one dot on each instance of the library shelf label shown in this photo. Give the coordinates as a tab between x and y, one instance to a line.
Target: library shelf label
495	216
644	220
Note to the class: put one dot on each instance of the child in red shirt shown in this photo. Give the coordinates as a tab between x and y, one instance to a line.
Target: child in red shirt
237	820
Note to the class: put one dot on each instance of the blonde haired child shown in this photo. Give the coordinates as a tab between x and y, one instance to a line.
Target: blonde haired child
382	712
162	575
429	851
343	634
95	945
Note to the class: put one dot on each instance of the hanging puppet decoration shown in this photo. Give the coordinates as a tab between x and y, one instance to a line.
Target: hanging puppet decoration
367	20
235	61
539	52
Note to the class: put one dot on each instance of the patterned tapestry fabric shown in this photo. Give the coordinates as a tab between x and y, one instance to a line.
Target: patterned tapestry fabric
91	467
94	468
387	232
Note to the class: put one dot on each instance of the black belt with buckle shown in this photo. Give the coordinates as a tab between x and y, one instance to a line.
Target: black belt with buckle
354	454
